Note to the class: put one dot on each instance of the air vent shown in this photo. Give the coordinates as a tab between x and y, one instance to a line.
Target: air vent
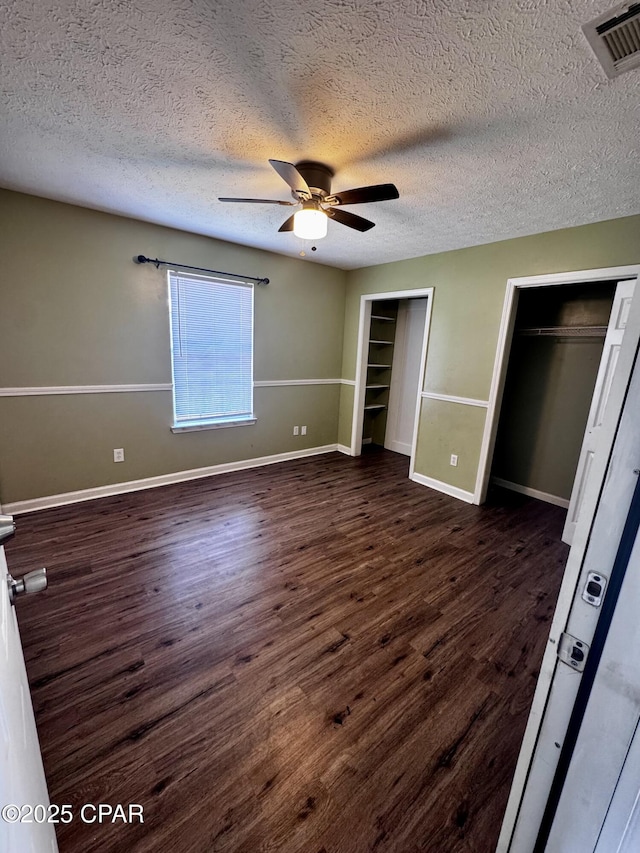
615	39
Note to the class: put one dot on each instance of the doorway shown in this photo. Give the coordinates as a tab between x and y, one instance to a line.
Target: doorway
553	368
539	752
390	369
393	373
515	288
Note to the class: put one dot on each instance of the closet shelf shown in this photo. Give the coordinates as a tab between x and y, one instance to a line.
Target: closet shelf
373	406
381	317
386	343
379	366
377	387
565	331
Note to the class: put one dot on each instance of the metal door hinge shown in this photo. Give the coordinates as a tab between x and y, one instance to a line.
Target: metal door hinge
573	652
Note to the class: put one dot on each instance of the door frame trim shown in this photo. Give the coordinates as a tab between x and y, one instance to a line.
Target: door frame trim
357	421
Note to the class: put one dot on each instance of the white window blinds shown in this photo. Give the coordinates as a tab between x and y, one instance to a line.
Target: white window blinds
212	349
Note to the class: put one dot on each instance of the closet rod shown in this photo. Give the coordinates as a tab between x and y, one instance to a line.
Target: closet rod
141	259
565	331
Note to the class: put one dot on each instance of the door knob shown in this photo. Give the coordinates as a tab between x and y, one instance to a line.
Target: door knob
32	582
7	527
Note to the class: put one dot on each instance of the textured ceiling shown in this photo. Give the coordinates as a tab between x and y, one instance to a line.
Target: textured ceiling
492	117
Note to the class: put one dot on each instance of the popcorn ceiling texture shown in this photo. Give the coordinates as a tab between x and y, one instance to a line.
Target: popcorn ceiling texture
493	118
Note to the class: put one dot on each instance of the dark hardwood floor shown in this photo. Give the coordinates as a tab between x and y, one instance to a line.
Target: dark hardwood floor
318	656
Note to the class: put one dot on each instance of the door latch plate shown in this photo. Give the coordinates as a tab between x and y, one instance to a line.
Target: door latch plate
594	588
573	652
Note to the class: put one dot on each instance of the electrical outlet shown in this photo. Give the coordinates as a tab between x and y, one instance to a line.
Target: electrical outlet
296	430
303	430
454	460
118	454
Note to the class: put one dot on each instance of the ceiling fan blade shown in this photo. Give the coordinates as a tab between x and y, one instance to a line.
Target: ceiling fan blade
378	192
258	201
350	219
288	225
292	176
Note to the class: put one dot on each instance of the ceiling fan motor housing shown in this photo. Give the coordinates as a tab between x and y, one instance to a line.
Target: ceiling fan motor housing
310	184
317	175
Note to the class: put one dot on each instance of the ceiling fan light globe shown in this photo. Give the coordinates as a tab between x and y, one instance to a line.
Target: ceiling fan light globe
310	224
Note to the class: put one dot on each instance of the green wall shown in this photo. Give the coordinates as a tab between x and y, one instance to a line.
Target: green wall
76	310
467	307
544	412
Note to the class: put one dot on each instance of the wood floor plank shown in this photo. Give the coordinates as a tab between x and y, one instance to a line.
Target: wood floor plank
315	657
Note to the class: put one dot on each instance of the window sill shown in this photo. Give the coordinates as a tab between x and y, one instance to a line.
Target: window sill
196	426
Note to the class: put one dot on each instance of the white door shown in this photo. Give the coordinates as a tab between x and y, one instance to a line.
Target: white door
621	829
405	375
608	363
599	808
23	827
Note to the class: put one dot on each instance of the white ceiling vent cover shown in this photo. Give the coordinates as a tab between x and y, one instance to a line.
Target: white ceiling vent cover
615	39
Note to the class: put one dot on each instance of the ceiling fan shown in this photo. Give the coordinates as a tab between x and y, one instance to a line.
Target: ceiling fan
310	184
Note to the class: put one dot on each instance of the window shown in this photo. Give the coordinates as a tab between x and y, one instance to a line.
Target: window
211	351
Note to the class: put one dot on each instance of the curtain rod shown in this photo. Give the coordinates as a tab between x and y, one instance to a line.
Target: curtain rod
141	259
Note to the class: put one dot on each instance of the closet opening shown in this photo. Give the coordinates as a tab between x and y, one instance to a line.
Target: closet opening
393	373
553	382
558	384
392	348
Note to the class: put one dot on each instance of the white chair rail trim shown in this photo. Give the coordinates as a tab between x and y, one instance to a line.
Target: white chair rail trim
451	398
48	390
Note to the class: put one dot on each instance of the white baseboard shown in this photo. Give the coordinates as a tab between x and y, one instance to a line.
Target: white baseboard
21	507
399	447
342	448
531	493
445	488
